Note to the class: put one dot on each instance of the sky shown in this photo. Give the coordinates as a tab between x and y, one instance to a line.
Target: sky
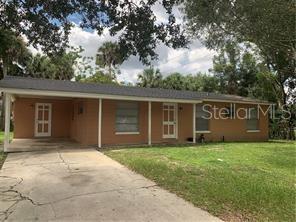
191	60
195	58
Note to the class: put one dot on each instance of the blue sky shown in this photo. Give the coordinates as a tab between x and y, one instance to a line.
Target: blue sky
194	59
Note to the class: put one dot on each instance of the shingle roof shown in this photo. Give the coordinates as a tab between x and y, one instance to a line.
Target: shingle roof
13	82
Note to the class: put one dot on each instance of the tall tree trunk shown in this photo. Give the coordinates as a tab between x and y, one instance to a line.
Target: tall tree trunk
289	131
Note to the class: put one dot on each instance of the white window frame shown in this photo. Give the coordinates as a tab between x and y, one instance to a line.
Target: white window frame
202	131
130	132
231	111
127	133
249	118
36	133
209	122
175	122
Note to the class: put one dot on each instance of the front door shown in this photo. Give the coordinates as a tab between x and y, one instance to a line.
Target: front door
42	119
170	120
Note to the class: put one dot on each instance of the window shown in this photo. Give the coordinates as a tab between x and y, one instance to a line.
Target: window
230	111
127	117
252	121
202	118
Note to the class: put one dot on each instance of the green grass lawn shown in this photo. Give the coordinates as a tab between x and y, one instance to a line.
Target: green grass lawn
2	136
234	181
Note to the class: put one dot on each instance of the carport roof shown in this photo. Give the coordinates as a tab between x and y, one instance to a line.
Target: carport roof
28	83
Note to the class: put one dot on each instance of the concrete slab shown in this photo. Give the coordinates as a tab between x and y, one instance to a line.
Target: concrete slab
41	144
84	184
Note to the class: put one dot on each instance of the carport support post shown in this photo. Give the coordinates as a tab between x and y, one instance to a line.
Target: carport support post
7	121
194	119
100	124
149	123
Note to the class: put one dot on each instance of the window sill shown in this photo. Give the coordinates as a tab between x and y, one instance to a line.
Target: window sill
127	133
253	131
203	131
169	137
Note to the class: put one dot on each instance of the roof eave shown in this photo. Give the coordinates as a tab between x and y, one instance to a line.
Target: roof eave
235	101
92	95
117	97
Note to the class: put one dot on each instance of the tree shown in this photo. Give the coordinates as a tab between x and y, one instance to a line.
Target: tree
48	23
267	87
249	73
225	68
109	57
84	67
174	81
98	77
150	78
263	87
201	82
236	68
13	52
59	66
268	24
251	77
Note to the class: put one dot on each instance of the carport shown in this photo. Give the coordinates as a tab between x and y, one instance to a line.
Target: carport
49	122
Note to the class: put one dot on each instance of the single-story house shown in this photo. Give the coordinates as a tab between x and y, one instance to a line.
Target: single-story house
106	114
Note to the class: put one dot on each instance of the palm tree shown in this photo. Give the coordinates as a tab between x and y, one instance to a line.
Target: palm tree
109	56
150	78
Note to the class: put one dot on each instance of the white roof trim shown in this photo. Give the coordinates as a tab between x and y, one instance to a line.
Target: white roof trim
116	97
234	101
92	95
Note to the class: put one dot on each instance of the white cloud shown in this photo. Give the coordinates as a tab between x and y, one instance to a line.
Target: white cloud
90	41
192	60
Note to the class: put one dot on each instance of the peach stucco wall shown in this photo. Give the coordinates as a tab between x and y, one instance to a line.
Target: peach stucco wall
83	127
235	129
66	122
109	136
24	117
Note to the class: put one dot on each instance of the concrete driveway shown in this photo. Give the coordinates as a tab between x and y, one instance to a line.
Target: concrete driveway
84	185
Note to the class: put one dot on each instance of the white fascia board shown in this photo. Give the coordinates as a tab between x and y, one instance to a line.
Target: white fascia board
92	95
232	101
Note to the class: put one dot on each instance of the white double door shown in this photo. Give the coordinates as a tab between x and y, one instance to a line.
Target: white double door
170	120
43	119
